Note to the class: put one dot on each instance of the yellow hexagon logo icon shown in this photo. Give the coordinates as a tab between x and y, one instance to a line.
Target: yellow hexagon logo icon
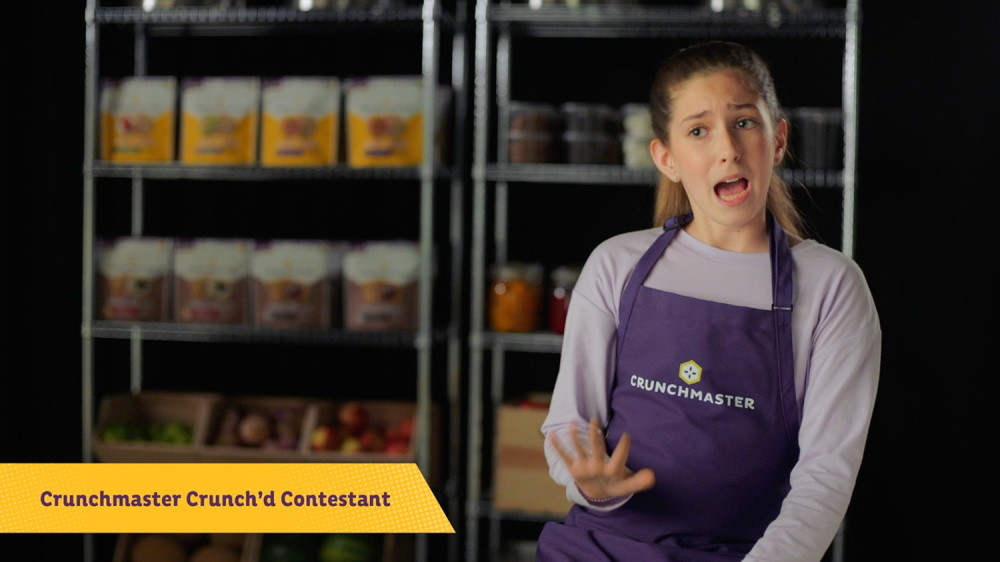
690	372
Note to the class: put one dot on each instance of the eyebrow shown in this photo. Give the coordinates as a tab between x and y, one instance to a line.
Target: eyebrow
731	106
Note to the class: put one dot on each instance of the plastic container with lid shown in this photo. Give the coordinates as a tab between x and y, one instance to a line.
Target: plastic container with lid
516	297
636	120
532	117
817	137
591	118
530	148
563	280
591	148
636	152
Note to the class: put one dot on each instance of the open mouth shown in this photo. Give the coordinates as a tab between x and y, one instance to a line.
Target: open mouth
732	191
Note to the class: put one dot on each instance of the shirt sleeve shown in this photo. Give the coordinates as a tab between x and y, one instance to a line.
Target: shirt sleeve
836	412
581	386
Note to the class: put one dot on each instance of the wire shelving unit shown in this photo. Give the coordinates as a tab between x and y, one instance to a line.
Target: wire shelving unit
497	26
430	21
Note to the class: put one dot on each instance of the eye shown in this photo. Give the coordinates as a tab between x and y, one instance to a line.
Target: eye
697	132
745	123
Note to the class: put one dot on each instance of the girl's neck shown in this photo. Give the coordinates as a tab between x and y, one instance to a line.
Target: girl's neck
749	238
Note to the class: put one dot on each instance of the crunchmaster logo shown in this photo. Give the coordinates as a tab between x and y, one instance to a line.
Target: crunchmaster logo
690	372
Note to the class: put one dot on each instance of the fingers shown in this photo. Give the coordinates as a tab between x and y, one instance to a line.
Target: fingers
576	442
642	480
616	465
597	447
562	454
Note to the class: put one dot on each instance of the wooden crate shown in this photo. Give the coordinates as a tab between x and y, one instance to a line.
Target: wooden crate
385	414
211	452
521	478
194	409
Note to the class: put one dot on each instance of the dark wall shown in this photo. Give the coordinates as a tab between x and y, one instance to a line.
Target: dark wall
926	211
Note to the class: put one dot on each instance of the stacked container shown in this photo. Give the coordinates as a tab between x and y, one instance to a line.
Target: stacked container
817	137
532	132
591	132
638	126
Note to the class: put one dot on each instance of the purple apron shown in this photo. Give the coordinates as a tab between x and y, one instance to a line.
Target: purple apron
707	392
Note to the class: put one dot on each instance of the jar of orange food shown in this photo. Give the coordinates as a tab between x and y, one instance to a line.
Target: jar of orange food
516	297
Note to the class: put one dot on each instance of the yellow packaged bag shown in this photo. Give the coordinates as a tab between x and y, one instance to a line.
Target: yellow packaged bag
299	122
137	119
219	124
385	120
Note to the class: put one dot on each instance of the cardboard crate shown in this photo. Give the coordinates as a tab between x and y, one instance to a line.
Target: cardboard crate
192	409
521	478
211	452
384	414
250	551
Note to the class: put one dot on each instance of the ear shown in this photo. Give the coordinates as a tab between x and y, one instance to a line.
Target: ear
780	141
664	160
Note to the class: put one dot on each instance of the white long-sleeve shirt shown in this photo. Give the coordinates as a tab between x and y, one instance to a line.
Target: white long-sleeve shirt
836	342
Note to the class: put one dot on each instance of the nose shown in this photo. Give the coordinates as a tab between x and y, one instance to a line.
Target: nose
729	150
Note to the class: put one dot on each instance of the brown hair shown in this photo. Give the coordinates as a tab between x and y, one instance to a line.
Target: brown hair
704	58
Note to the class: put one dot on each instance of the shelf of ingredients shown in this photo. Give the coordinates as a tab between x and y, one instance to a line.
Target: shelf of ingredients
179	427
267	126
264	290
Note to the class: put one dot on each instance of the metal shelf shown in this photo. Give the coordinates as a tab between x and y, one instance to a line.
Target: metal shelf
167	331
210	21
257	173
618	175
538	342
650	21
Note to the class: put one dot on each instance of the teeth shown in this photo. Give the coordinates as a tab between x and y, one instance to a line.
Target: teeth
733	180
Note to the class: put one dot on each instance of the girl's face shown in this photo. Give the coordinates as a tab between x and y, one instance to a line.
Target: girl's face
723	148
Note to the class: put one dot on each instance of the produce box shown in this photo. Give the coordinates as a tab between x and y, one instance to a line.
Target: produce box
139	413
521	480
368	431
189	547
253	429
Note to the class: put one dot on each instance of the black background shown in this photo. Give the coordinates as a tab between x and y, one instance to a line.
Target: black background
926	215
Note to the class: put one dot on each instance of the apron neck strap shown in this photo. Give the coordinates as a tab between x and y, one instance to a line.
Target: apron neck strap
781	269
781	265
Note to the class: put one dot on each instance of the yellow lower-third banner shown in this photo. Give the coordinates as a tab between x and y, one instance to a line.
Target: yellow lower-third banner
218	498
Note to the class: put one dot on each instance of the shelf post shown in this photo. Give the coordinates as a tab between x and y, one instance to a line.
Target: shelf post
91	73
457	239
850	112
481	111
429	64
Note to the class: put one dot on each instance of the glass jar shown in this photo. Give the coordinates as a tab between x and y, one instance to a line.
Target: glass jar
516	297
563	280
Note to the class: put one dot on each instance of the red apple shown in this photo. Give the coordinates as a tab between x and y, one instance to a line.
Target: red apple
371	441
405	428
353	418
397	448
325	438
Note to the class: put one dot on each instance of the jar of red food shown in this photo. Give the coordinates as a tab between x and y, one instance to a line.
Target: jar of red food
563	281
516	297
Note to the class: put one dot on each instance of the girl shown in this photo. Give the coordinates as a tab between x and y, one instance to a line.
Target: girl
726	366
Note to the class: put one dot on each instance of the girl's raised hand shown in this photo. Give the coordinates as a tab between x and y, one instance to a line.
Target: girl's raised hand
598	478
